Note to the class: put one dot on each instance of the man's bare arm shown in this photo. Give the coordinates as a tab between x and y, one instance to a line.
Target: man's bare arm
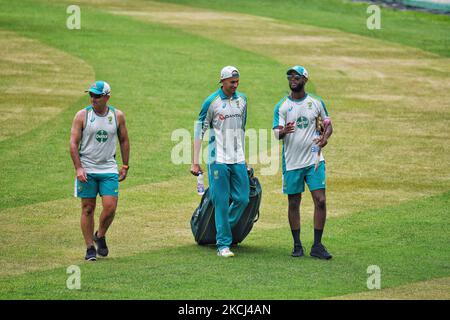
75	138
124	144
195	167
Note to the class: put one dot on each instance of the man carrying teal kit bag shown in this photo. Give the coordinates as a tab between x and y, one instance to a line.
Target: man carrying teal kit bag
225	113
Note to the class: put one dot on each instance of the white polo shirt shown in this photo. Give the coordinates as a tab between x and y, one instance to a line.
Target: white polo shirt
226	117
299	150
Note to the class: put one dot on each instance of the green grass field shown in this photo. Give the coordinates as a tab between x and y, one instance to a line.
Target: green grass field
388	163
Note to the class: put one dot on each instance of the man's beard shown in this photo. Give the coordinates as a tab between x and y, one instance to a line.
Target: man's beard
298	88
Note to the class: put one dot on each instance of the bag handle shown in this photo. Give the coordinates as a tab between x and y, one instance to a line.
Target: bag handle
256	217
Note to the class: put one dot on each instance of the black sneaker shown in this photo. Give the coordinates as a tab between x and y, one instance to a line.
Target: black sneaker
298	251
91	254
319	251
102	248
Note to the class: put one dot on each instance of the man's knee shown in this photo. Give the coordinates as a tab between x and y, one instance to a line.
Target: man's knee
320	203
109	210
219	201
294	201
88	209
242	200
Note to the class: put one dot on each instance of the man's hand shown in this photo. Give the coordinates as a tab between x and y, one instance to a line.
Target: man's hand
321	141
281	132
289	128
81	174
196	170
123	174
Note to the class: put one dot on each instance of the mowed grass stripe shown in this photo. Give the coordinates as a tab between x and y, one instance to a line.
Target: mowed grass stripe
28	69
407	248
422	30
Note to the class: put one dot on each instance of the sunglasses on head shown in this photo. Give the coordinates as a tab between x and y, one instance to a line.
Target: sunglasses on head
96	96
294	76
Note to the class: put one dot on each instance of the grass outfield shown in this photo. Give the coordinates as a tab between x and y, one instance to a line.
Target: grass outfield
387	162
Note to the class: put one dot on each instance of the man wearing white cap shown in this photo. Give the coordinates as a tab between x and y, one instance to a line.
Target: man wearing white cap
93	138
225	113
296	122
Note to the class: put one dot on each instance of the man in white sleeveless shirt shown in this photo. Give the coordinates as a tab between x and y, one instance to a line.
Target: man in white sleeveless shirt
93	139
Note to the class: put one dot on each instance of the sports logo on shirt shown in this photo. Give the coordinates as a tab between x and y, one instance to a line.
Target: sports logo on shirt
110	119
224	117
302	123
101	136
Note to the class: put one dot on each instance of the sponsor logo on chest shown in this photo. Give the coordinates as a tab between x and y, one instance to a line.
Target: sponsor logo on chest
224	117
302	114
101	136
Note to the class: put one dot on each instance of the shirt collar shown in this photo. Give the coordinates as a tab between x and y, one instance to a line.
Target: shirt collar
298	100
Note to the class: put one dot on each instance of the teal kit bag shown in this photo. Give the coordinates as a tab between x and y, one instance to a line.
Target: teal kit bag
203	223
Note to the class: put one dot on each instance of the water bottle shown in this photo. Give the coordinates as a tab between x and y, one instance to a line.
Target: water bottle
200	184
315	147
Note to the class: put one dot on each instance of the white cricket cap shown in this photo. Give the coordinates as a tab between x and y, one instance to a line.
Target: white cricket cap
229	72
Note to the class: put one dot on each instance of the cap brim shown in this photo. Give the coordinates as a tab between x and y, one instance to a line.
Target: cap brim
228	78
296	71
290	70
93	90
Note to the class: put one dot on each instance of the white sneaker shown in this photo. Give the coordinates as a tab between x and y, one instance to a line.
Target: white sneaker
225	252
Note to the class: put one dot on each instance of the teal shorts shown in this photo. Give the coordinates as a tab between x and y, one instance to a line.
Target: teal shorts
105	184
294	180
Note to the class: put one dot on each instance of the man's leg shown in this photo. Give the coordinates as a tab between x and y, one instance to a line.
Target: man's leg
293	186
87	219
106	218
294	201
219	183
240	192
316	183
109	190
320	214
87	191
108	213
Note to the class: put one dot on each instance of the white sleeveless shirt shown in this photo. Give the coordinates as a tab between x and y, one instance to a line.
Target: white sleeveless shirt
98	142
